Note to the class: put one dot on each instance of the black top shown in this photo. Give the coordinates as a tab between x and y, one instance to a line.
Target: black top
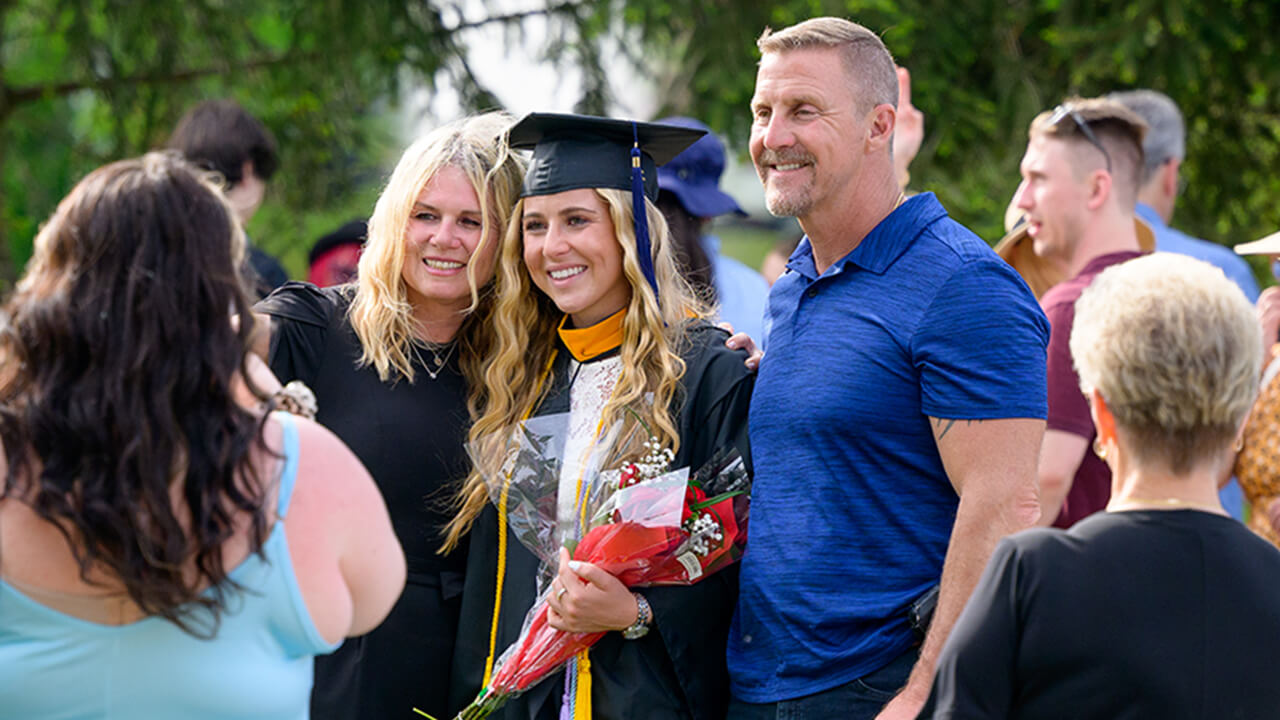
262	272
1132	615
677	670
410	437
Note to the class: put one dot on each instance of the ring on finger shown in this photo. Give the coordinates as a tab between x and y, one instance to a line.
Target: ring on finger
560	594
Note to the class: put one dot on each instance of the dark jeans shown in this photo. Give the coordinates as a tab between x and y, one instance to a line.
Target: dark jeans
859	699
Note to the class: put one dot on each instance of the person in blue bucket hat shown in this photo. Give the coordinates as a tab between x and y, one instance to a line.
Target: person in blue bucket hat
690	198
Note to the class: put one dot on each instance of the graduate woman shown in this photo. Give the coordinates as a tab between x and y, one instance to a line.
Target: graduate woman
593	319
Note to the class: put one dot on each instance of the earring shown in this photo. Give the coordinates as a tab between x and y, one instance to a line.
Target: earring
1099	449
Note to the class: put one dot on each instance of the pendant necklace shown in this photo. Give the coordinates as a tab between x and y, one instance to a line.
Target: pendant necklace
436	365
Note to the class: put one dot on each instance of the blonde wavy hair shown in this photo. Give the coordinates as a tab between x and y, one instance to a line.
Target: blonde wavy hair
525	321
1174	348
380	312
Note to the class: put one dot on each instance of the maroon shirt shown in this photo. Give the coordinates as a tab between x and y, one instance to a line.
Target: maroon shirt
1068	407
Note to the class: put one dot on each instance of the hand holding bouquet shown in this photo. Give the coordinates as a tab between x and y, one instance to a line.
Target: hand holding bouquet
644	526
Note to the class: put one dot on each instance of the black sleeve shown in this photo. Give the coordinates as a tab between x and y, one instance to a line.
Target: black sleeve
719	396
976	669
693	621
301	316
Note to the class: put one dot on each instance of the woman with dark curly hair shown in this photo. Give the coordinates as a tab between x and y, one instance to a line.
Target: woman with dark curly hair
165	551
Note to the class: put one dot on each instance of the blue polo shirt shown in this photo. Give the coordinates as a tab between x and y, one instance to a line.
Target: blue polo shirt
1172	240
851	508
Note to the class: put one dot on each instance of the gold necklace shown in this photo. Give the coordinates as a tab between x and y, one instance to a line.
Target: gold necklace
1137	503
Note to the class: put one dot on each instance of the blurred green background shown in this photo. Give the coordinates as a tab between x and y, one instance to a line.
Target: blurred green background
83	82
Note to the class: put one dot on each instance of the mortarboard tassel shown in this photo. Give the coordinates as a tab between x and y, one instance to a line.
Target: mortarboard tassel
643	246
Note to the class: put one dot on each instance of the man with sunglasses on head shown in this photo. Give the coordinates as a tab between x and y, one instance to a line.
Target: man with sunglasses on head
1080	179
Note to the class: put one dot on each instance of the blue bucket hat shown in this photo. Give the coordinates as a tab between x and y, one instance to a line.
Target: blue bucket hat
693	176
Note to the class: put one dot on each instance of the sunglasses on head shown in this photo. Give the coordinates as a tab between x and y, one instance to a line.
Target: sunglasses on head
1065	111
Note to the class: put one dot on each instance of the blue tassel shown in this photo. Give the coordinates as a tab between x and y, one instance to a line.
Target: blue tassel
643	247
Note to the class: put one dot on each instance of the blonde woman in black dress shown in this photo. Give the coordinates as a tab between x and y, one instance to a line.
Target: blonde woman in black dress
391	358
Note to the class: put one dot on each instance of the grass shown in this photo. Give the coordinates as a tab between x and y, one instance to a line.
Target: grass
748	242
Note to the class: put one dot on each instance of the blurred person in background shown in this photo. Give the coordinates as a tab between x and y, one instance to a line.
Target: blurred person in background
1258	465
221	136
165	551
391	359
1041	274
1163	606
690	198
1164	148
335	258
1079	186
775	261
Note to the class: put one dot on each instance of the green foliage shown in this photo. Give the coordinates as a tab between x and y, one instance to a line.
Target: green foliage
981	70
84	82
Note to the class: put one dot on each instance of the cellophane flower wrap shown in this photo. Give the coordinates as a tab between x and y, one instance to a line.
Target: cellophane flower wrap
644	524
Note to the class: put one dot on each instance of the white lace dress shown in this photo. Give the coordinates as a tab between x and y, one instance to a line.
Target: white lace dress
593	385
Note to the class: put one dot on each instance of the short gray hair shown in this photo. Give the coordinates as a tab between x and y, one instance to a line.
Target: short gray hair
1166	132
1174	348
866	59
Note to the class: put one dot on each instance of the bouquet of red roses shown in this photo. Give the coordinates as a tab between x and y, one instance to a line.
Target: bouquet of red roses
644	525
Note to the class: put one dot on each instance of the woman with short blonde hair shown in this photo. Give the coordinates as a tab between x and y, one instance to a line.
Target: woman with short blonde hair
1179	377
1163	605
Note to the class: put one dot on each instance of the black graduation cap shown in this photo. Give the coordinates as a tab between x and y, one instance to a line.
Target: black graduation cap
571	152
582	151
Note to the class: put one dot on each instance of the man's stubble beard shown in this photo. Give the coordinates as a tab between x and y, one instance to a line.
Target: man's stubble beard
792	203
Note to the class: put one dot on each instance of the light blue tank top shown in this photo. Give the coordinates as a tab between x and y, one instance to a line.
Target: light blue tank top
259	665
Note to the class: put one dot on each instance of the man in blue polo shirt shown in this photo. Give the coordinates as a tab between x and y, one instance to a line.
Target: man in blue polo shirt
899	411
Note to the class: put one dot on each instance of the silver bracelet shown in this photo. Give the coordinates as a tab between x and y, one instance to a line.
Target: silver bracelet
644	618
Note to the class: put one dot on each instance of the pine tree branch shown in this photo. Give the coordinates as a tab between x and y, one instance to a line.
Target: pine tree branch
11	97
17	96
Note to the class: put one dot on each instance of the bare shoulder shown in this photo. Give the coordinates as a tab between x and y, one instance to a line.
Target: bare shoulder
349	564
327	469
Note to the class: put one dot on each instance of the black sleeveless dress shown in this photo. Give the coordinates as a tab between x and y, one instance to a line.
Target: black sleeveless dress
410	437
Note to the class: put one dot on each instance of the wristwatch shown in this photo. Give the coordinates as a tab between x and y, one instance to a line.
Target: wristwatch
644	618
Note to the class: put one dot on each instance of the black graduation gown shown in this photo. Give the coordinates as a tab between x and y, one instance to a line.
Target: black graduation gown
676	671
410	437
